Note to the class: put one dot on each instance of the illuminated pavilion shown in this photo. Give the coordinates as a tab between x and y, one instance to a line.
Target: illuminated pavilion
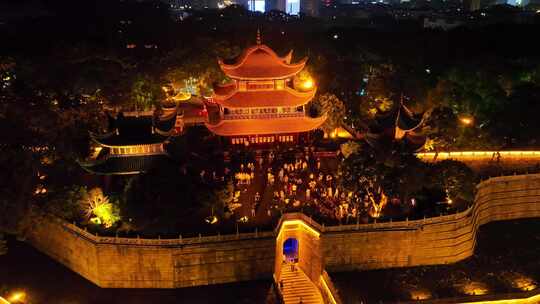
261	105
397	125
133	144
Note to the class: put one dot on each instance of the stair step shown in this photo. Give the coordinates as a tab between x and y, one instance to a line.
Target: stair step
297	285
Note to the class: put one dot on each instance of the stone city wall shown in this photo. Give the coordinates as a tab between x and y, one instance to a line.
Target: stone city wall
111	262
171	263
439	240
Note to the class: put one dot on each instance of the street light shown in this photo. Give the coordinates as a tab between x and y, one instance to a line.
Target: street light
4	301
466	120
307	84
17	297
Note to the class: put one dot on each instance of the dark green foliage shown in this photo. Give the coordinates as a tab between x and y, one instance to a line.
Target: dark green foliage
455	177
518	124
398	173
164	199
334	108
146	93
3	245
403	176
66	203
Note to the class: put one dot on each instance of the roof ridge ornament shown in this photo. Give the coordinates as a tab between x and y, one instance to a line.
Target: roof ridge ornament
258	36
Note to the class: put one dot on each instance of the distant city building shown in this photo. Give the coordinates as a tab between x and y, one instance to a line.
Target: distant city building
257	5
291	7
518	2
444	23
309	7
192	4
471	5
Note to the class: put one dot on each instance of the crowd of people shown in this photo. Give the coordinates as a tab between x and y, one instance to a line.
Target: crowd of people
267	185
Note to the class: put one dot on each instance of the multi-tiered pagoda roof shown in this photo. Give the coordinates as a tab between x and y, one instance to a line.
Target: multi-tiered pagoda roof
229	96
260	62
261	98
133	144
398	124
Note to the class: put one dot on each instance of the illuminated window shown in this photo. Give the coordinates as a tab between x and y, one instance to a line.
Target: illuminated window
254	86
242	86
292	7
256	5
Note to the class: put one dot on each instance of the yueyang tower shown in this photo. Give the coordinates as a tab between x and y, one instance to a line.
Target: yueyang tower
261	104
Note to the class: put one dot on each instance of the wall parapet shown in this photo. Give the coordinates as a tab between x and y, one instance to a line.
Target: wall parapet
96	239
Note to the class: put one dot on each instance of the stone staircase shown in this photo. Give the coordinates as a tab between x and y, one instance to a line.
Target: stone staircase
297	286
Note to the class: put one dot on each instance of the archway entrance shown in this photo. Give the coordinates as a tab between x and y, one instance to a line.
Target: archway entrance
290	250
